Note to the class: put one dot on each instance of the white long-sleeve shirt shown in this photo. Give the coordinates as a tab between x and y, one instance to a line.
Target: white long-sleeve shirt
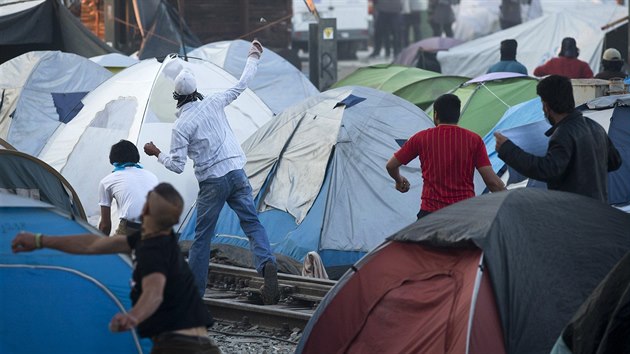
202	133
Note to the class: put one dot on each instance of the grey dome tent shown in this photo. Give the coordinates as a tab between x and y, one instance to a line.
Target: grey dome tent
41	92
318	174
499	273
602	323
28	176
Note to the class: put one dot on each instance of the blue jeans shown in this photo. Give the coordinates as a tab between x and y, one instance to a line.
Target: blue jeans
233	188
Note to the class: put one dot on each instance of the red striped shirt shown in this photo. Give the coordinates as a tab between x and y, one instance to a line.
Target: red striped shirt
448	157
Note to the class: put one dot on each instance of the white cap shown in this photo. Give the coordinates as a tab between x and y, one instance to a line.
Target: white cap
611	54
185	83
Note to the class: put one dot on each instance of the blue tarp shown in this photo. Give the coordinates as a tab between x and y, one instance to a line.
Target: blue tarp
532	139
68	104
519	115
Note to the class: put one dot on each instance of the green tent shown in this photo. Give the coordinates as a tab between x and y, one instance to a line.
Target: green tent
420	87
486	98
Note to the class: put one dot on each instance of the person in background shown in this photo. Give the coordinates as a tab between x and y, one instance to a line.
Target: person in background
410	20
448	157
387	27
166	307
510	14
508	61
612	64
441	17
128	184
579	155
566	63
203	133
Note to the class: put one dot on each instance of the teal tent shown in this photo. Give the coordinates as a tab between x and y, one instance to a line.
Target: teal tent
53	302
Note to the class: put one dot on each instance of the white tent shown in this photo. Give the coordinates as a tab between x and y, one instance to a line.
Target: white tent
478	18
137	105
40	91
538	40
278	83
114	60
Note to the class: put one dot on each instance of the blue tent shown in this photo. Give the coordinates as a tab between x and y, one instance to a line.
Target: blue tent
52	302
318	175
527	123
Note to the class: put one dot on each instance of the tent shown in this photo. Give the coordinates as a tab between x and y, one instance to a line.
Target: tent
611	112
478	18
114	62
42	91
422	54
318	175
499	273
538	40
163	29
278	83
420	87
28	176
67	300
601	325
486	98
31	25
137	105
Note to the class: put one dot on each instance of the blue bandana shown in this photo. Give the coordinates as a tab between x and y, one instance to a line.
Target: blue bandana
121	166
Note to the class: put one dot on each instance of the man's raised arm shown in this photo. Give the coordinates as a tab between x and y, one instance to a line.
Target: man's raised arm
255	51
76	244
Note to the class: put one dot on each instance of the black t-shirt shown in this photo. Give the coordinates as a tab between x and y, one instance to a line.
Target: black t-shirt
181	306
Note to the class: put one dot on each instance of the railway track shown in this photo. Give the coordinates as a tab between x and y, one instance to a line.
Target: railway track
233	294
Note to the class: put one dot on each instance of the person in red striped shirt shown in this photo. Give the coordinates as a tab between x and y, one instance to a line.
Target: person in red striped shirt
448	158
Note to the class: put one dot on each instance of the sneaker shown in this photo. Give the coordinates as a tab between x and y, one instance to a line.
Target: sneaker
270	291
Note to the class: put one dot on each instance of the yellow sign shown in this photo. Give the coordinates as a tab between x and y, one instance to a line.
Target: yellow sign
329	33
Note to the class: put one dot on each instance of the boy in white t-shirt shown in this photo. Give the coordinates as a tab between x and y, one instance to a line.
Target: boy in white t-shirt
129	184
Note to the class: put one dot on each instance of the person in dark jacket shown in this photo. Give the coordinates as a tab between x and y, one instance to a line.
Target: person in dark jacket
579	155
566	63
387	27
613	64
441	17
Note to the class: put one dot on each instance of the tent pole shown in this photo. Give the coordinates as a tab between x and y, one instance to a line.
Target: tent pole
181	28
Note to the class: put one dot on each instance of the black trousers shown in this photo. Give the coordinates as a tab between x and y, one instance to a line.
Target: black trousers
387	33
410	21
438	28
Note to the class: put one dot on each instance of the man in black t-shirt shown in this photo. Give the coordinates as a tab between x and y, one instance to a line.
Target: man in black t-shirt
166	307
